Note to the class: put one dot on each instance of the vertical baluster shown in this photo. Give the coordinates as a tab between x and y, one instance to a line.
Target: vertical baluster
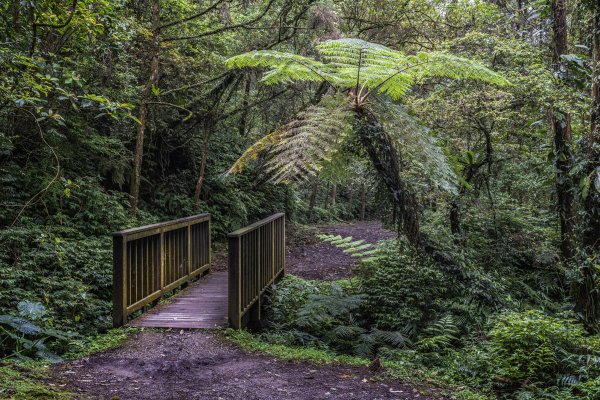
145	290
131	273
119	280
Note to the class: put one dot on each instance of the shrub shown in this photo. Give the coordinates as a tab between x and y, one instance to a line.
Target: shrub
536	349
404	290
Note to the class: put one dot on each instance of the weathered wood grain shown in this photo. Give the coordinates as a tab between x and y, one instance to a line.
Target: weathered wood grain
202	305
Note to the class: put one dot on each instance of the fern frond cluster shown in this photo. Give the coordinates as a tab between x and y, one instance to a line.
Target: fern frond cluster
296	148
356	248
355	63
416	145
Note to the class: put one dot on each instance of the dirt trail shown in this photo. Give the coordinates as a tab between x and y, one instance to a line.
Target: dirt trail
311	258
198	364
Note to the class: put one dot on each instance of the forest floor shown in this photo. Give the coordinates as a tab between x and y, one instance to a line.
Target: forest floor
203	364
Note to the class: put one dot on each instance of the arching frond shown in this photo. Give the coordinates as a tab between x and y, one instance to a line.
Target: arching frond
284	66
296	148
446	65
417	145
355	63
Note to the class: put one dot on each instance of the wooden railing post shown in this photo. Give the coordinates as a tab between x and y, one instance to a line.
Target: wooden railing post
119	281
254	264
234	282
188	233
162	260
283	246
151	260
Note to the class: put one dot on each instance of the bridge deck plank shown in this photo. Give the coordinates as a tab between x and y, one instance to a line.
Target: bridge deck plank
202	305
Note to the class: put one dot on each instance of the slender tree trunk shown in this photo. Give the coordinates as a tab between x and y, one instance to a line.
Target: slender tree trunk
561	126
363	202
591	234
313	196
203	160
385	159
333	194
350	203
245	103
146	95
455	219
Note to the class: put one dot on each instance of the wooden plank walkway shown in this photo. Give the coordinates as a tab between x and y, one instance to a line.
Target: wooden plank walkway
202	305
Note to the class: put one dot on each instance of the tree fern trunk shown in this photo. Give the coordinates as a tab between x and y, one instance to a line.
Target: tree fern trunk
385	159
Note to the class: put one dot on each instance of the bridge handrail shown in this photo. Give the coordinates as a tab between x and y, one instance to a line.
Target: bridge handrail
151	260
256	260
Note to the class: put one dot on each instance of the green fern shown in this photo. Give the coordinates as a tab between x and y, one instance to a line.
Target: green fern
356	248
296	149
355	63
327	308
442	334
359	69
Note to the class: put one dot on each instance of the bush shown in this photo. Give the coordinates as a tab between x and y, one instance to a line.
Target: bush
534	349
405	291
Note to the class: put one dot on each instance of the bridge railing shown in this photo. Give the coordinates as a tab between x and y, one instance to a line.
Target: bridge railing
151	260
256	260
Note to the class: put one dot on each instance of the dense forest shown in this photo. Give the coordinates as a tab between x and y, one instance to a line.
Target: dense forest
471	128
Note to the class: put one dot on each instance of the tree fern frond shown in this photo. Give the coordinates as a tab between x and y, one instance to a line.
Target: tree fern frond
392	338
284	66
437	64
253	152
417	146
296	149
348	332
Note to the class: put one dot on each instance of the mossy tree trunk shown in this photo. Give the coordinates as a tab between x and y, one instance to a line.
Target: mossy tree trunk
385	159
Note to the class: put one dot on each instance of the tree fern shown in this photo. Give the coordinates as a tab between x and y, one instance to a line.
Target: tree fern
359	69
297	148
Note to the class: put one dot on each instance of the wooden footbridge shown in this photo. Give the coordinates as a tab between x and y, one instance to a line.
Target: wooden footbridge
152	261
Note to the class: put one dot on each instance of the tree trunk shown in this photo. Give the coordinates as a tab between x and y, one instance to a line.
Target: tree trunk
313	196
146	95
561	126
202	172
591	234
333	194
245	104
455	220
350	203
363	202
385	159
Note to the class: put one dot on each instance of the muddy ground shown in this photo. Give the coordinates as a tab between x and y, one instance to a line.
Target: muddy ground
312	258
201	364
